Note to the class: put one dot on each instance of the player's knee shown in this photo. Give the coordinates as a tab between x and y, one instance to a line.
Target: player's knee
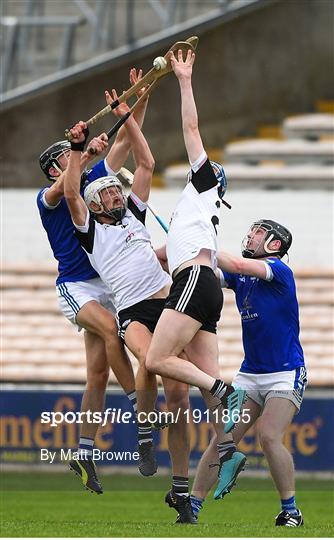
97	379
268	437
110	334
178	401
113	344
107	327
151	363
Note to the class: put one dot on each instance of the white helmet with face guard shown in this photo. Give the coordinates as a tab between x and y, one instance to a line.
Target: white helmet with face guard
92	196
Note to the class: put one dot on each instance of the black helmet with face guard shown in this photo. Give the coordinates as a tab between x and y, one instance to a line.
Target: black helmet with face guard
275	231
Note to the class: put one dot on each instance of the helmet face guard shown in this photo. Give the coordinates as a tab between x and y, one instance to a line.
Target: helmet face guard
92	195
272	231
220	175
49	158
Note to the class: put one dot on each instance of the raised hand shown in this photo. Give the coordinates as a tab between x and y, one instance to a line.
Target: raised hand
79	133
134	78
122	107
182	68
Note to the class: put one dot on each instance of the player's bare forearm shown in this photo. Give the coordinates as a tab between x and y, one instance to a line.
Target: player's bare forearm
183	71
144	162
140	111
55	192
141	152
239	265
119	151
86	157
139	146
191	134
75	202
229	263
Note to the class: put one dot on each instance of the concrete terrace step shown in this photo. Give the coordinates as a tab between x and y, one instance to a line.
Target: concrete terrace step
242	175
309	126
292	151
39	344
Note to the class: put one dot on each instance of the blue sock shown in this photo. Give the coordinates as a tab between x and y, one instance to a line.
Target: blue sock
289	505
196	504
133	398
85	448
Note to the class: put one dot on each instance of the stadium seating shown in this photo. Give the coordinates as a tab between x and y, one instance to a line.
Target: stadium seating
299	154
40	345
290	151
269	175
309	126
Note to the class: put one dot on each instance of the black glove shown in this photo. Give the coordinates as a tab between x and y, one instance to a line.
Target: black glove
79	147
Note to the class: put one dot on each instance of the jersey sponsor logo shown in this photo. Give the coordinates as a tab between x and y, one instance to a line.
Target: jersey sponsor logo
131	241
242	278
248	316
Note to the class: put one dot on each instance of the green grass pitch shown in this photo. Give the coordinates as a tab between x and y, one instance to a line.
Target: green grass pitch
46	505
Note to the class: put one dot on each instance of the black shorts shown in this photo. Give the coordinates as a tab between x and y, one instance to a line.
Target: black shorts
196	292
147	312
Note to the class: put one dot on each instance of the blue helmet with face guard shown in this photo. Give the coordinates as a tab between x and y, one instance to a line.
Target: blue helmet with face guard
222	181
220	175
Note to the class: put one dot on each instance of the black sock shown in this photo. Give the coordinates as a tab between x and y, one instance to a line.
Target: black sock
144	433
180	485
219	388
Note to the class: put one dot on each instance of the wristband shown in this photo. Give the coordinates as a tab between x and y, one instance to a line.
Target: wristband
80	146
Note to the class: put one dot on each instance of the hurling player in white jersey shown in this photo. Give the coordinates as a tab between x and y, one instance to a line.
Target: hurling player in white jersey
273	371
83	298
192	309
118	245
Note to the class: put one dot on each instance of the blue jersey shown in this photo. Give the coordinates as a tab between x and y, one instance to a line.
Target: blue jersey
73	263
270	319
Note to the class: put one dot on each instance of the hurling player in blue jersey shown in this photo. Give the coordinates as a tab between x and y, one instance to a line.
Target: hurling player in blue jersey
273	371
83	298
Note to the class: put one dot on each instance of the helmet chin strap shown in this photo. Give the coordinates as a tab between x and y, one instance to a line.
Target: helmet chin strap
253	253
55	166
265	245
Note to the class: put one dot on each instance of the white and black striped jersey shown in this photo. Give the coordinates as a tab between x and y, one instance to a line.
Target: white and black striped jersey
195	220
123	256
